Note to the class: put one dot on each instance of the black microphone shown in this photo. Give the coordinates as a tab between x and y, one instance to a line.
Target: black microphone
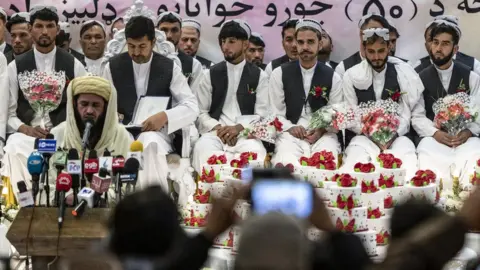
44	184
129	173
86	133
74	168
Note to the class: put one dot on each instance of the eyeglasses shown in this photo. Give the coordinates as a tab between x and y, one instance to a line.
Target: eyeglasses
381	32
37	8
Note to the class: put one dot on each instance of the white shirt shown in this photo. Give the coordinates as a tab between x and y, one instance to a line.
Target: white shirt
141	74
476	64
424	126
4	96
340	69
184	109
231	114
277	96
378	87
44	63
94	66
2	47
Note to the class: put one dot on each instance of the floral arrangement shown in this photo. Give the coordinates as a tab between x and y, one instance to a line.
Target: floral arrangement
337	116
454	112
346	180
193	221
321	160
202	196
389	161
369	187
209	176
248	156
319	91
239	163
388	202
217	160
380	120
383	238
395	95
455	197
374	213
386	181
42	90
265	129
364	167
423	178
289	166
348	226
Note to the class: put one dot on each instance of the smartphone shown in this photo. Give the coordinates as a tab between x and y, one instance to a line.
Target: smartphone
289	197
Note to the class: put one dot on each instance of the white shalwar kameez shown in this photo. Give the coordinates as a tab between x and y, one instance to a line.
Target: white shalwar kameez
158	144
209	143
20	146
289	149
444	160
361	148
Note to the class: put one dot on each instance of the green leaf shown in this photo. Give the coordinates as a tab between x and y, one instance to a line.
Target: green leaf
394	166
304	163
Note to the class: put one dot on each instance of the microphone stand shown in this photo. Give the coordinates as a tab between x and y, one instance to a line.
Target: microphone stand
59	171
44	181
83	181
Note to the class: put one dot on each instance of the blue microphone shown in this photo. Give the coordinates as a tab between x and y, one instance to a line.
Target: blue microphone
35	166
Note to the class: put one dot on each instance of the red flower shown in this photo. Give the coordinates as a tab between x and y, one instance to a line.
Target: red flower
364	168
380	239
346	180
386	181
369	188
208	177
478	162
388	202
279	165
237	174
202	197
327	165
374	213
350	227
212	160
230	239
419	181
389	161
248	156
239	163
222	159
277	124
290	166
336	177
304	161
345	203
396	96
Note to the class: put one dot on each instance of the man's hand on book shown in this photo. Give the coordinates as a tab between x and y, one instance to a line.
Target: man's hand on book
155	122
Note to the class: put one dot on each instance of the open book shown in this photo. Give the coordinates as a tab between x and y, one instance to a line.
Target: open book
147	106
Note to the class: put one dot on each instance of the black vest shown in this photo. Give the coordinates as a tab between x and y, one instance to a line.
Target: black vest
121	68
26	62
467	60
351	61
424	63
248	80
333	65
434	88
187	65
295	98
80	57
404	60
262	66
205	63
10	56
279	61
8	48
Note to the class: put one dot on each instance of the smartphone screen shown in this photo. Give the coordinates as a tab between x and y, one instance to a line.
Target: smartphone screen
288	197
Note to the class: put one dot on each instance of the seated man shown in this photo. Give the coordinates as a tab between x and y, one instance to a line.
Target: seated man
438	150
293	98
256	50
380	77
143	72
289	46
228	90
326	50
190	41
93	39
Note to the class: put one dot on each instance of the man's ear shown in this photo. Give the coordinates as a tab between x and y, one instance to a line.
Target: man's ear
455	49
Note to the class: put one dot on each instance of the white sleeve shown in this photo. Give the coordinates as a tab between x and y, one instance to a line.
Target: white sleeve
350	97
340	69
4	94
420	122
476	66
185	111
336	93
205	123
197	73
277	98
268	69
13	121
78	69
475	93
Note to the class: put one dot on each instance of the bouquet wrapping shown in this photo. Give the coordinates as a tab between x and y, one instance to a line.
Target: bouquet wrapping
453	113
42	90
337	116
380	120
265	129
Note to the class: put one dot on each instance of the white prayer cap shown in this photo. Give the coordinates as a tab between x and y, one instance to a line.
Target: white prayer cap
37	8
309	23
450	18
3	12
243	24
163	14
192	23
65	27
381	32
93	21
449	23
24	15
365	18
258	35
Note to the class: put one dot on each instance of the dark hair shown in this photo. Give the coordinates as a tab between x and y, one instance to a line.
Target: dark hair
44	15
305	28
15	20
442	28
374	39
430	27
61	38
256	41
144	224
289	24
140	26
394	30
2	17
170	18
378	19
232	30
88	26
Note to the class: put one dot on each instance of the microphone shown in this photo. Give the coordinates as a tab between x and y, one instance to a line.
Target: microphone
86	133
106	160
136	150
91	165
117	165
101	182
46	147
64	183
130	173
86	199
25	198
74	168
35	166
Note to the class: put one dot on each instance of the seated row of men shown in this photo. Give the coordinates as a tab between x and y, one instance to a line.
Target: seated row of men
227	92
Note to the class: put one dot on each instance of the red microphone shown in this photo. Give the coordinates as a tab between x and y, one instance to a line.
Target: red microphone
63	185
101	181
91	166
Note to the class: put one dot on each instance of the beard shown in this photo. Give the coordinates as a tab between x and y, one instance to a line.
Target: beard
44	41
97	128
392	52
378	66
231	58
441	61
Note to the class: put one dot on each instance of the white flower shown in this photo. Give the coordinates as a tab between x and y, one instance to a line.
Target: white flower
447	193
464	195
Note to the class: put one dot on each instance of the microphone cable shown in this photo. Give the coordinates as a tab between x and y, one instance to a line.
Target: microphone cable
58	244
28	234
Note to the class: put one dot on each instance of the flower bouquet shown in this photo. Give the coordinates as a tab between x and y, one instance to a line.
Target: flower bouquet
380	120
42	90
337	116
454	112
265	129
